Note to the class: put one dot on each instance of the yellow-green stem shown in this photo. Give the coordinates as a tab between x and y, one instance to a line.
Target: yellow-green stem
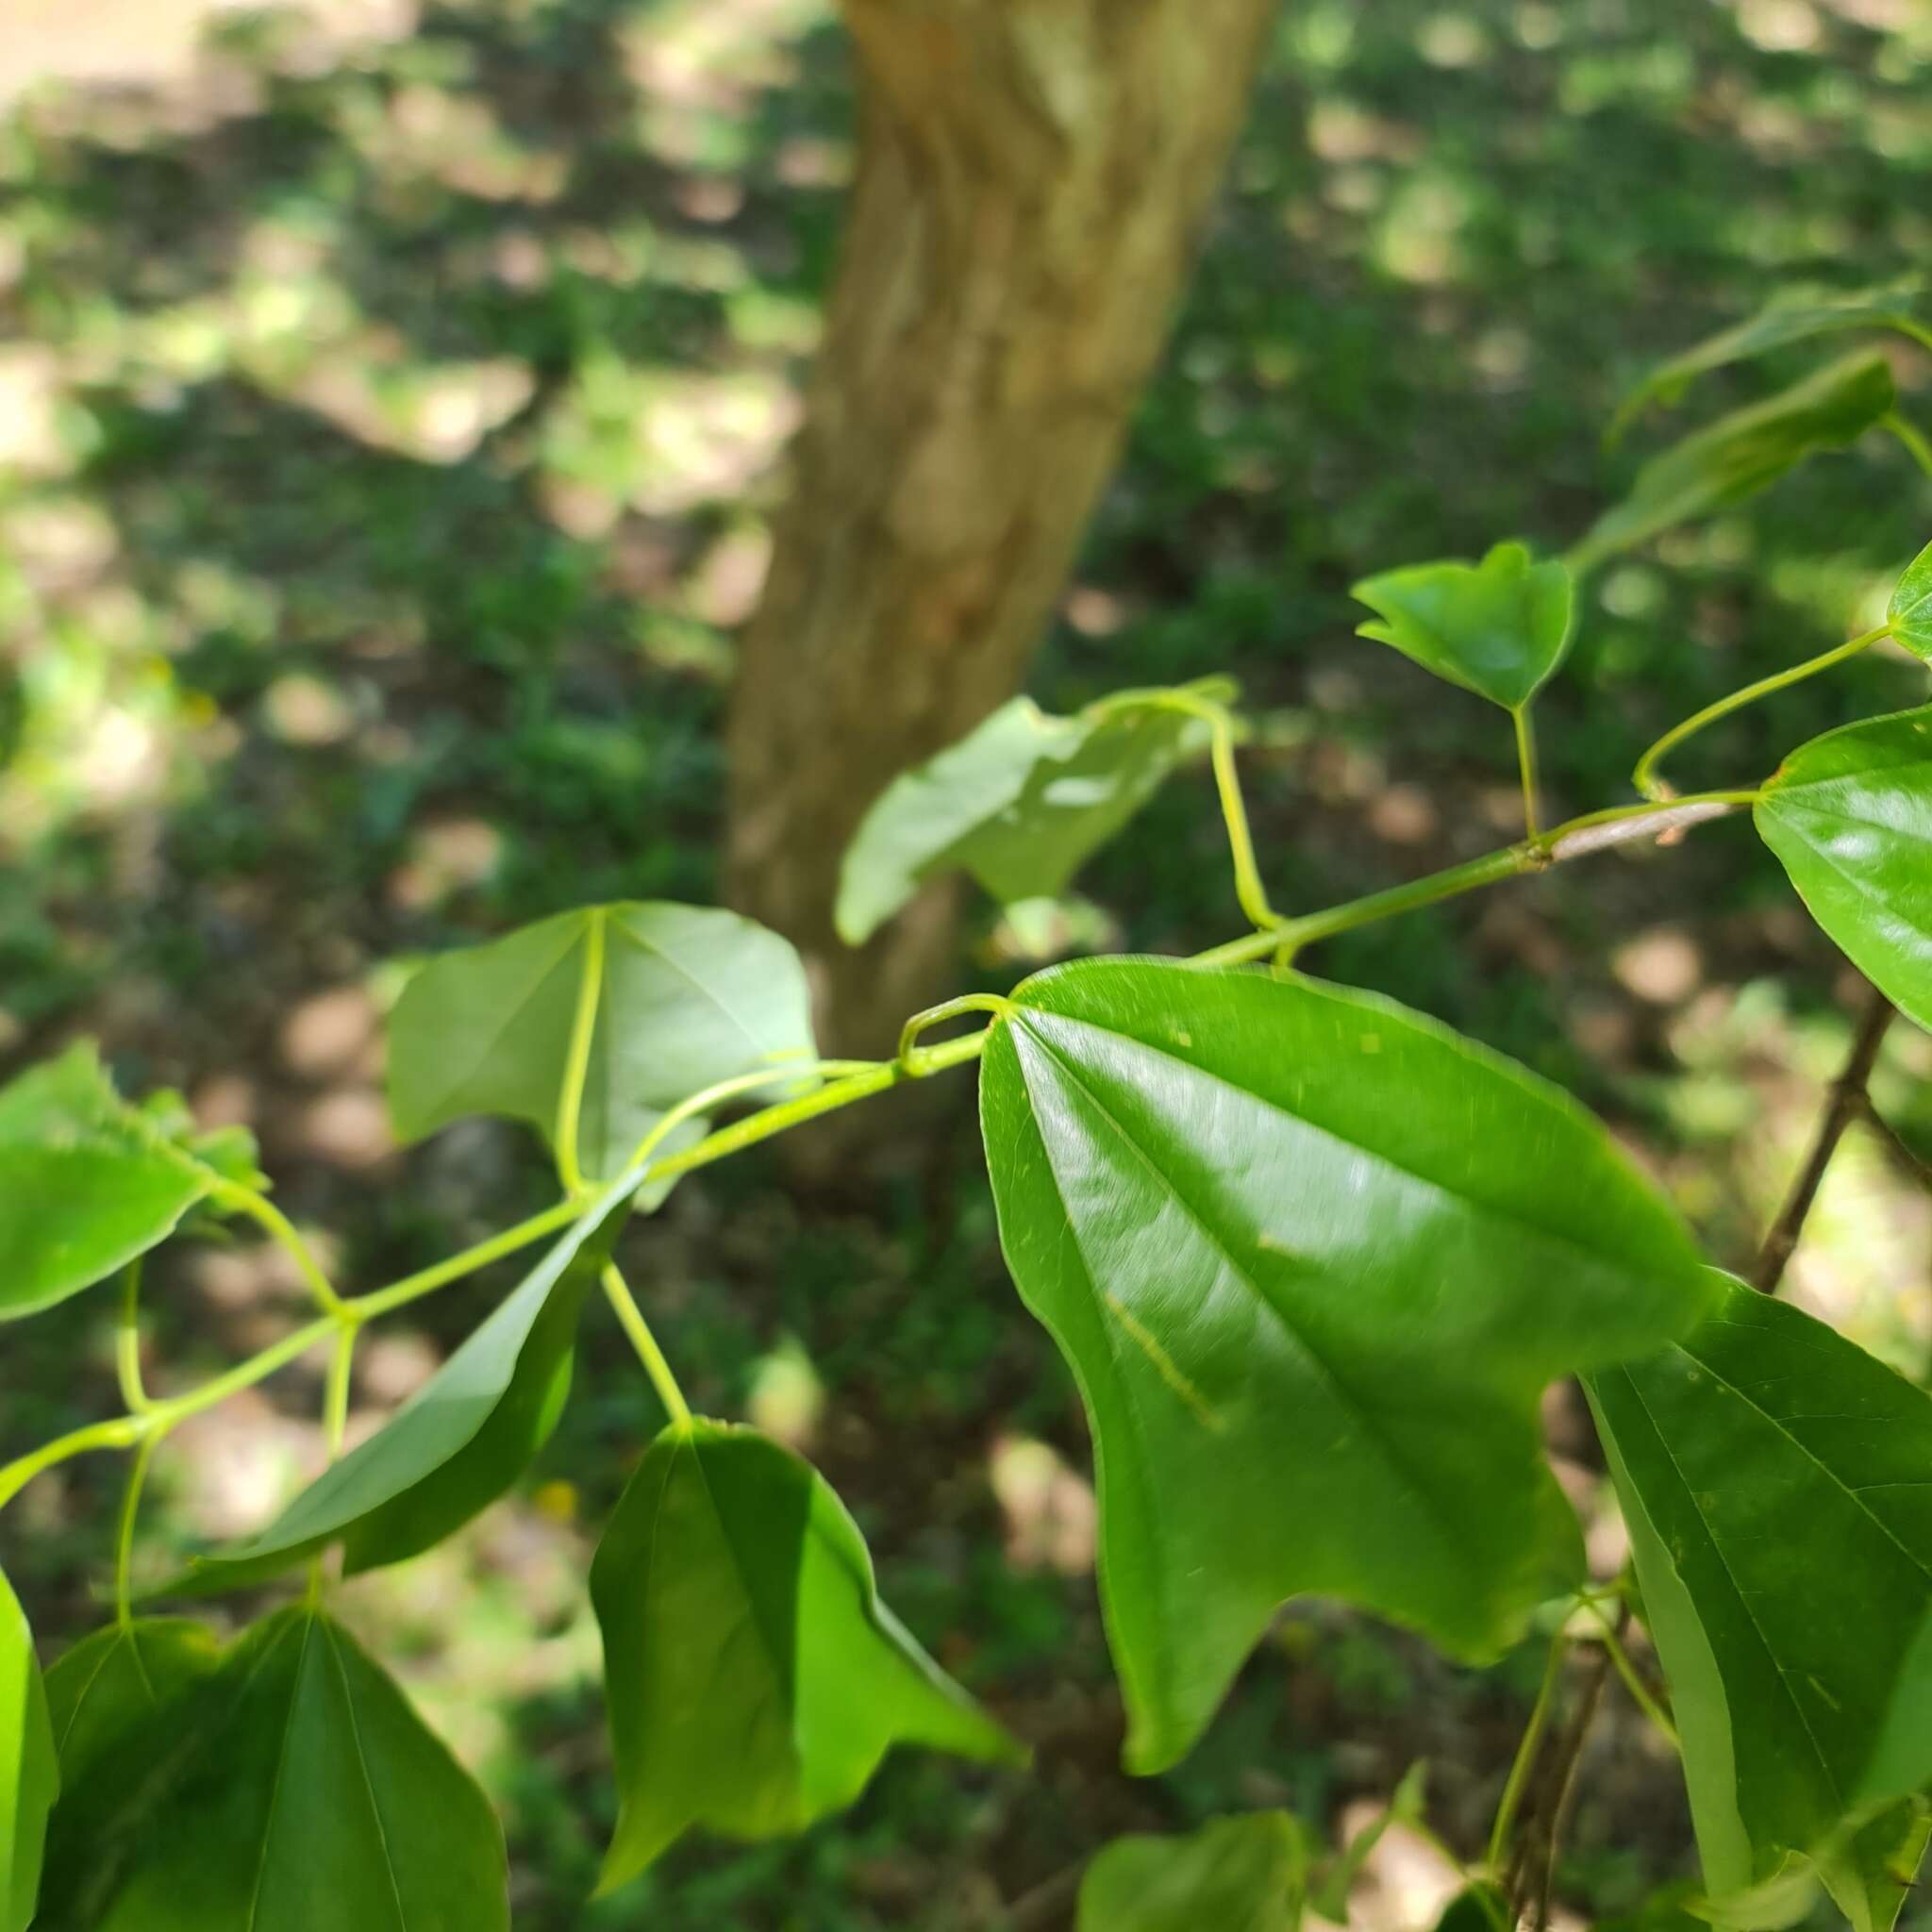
577	1061
1909	434
123	1535
617	1292
366	1307
1526	1755
1640	1691
1525	761
127	1342
1645	778
260	1208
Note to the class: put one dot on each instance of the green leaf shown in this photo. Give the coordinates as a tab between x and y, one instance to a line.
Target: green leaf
29	1776
1743	453
111	1683
1792	315
87	1182
455	1446
1777	1481
303	1794
1498	627
1302	1245
1483	1908
1910	611
1234	1875
1331	1897
689	996
1022	802
1850	817
754	1678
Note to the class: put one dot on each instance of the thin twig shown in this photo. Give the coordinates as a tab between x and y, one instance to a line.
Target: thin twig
1046	1905
1908	1157
1568	1757
1846	1104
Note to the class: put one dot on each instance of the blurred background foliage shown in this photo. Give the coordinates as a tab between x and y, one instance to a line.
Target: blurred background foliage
390	401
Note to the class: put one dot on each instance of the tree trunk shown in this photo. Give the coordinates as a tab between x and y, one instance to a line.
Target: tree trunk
1032	176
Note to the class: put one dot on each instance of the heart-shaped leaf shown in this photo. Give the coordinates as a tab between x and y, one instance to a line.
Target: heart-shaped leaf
1302	1245
1236	1874
296	1791
29	1774
1777	1481
1910	611
1792	315
754	1678
687	996
87	1182
455	1446
1850	816
1498	627
1743	453
1022	802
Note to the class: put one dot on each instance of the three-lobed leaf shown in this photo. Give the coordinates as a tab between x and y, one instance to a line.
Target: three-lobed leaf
87	1182
754	1678
1498	627
1022	802
455	1446
29	1774
1775	1478
1794	315
1312	1259
1742	453
687	996
298	1791
1234	1875
1909	613
1850	817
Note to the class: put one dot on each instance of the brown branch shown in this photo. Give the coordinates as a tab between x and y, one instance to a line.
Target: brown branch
1847	1104
1046	1905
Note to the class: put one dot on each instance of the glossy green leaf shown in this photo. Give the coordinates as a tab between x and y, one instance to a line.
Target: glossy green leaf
1498	627
1910	613
296	1791
87	1182
1022	802
29	1777
1742	453
1777	1481
455	1446
754	1678
1850	816
689	996
1234	1875
110	1684
1792	315
1312	1259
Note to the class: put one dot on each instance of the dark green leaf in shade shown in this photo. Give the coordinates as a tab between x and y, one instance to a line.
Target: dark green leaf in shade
1910	613
1498	627
689	996
1850	816
1792	315
298	1793
111	1683
1022	802
29	1777
1312	1259
87	1182
1478	1909
1234	1875
454	1446
754	1678
1777	1481
1742	453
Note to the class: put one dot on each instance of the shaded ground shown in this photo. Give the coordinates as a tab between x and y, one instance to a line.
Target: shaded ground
387	429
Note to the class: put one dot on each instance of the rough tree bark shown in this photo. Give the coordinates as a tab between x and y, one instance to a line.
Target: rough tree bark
1032	177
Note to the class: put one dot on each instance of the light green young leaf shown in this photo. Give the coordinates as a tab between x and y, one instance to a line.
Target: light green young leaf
1777	1481
1022	802
1498	627
87	1182
455	1446
1301	1245
1234	1875
1911	611
1792	315
1742	453
29	1775
301	1794
754	1678
689	996
1850	817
